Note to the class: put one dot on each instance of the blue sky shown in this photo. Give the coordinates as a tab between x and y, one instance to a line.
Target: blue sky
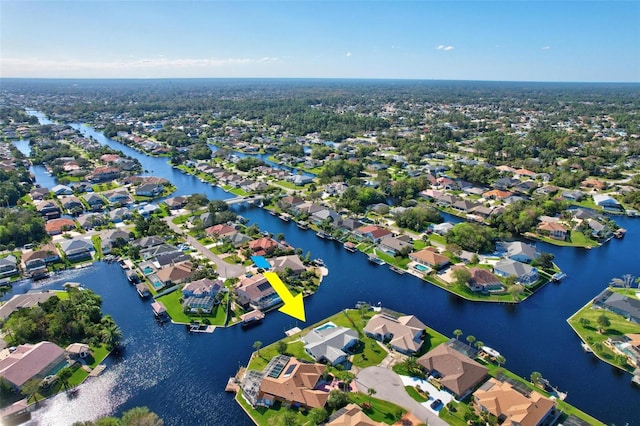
474	40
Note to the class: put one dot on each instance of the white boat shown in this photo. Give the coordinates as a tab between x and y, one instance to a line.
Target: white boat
490	351
586	347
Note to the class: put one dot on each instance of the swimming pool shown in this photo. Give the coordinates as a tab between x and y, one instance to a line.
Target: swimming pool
326	326
420	268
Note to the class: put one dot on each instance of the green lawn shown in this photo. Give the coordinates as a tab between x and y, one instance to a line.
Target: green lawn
590	333
171	301
380	411
269	416
438	239
398	262
413	393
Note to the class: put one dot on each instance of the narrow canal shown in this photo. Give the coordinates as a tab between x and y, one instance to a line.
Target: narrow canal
182	376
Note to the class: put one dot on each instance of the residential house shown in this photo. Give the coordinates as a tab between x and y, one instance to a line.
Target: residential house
429	256
48	253
392	245
325	215
119	214
77	351
149	190
329	343
113	237
572	195
262	246
238	239
76	249
350	224
598	185
38	194
103	174
300	180
8	266
146	242
26	300
72	204
220	230
599	230
288	380
520	173
201	294
157	250
496	194
505	183
287	202
291	263
91	220
483	280
351	415
606	201
58	226
627	306
464	205
48	209
517	250
30	361
94	201
176	203
441	228
175	274
372	233
525	274
255	291
404	334
457	373
554	230
62	190
511	407
118	196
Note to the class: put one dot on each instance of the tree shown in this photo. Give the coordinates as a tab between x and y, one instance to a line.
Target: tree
257	345
536	378
140	416
461	275
625	281
318	415
30	389
515	291
371	391
337	399
603	323
64	375
457	332
282	347
545	260
584	322
279	236
470	339
500	360
478	344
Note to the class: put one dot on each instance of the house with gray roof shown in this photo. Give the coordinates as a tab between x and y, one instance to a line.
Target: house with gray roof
329	343
621	304
8	266
393	245
517	250
525	274
76	249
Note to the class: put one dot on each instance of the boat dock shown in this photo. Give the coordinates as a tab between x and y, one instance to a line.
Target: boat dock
98	370
292	331
376	260
558	276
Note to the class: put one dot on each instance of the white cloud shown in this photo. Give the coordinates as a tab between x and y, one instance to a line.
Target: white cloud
348	54
445	47
546	47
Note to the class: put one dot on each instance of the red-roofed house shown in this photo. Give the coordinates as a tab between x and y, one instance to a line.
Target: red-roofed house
262	246
556	231
372	232
496	194
220	230
57	226
31	361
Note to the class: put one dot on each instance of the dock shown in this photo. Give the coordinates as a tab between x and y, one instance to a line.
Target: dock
292	331
98	370
233	384
558	276
397	270
376	260
251	318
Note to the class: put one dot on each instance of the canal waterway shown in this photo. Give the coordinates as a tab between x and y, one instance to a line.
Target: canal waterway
182	376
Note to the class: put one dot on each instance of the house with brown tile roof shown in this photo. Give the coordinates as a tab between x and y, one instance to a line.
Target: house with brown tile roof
175	274
458	373
554	230
430	257
262	246
57	226
351	415
484	280
294	384
220	230
372	232
293	262
404	334
512	407
496	194
31	361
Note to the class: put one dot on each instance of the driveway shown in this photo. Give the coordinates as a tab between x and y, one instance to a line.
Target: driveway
225	270
389	387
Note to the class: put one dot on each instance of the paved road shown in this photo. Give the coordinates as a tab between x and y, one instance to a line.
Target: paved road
224	269
389	387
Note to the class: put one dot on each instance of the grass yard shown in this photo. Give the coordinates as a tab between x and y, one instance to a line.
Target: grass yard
171	301
589	333
413	393
399	262
379	410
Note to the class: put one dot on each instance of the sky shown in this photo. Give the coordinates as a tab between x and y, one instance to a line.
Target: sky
561	40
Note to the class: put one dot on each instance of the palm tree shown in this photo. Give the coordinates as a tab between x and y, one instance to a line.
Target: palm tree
30	389
111	335
536	377
500	360
371	392
457	332
470	339
64	375
479	344
257	345
625	281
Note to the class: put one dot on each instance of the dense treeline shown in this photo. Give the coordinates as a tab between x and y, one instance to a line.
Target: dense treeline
138	416
20	227
418	218
13	185
64	320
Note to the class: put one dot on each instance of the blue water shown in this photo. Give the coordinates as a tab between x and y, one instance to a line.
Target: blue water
325	326
182	376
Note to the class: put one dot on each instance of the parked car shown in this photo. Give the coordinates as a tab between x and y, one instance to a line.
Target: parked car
436	404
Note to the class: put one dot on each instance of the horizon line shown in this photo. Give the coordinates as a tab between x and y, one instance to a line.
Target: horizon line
141	79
